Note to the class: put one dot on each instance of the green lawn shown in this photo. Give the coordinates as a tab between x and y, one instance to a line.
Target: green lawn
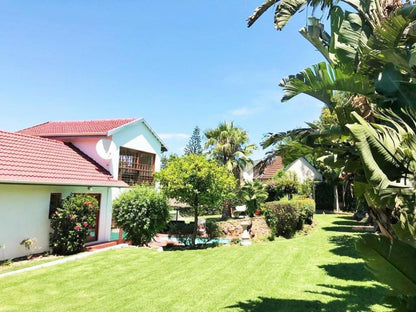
319	272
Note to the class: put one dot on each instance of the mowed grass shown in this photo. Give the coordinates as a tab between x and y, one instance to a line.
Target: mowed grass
318	272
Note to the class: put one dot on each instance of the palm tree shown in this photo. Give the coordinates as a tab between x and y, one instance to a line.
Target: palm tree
228	145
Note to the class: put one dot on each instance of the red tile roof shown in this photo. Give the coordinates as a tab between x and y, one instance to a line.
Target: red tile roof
271	169
76	128
29	159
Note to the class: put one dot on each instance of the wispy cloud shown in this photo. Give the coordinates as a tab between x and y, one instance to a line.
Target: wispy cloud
260	103
167	136
245	111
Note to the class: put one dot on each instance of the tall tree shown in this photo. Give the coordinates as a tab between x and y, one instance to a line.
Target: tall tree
229	146
196	181
194	145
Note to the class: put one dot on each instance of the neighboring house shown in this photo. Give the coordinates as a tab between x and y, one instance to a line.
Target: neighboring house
304	170
42	164
247	173
35	173
266	173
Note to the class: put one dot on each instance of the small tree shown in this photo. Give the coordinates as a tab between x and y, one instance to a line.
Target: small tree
254	194
194	145
141	212
196	181
71	224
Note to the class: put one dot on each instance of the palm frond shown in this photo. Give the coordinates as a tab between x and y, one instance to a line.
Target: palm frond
321	80
259	11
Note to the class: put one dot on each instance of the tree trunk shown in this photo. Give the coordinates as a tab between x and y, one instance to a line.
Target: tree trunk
226	213
195	230
336	203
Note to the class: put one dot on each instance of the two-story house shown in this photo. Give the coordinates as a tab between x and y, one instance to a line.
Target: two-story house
42	164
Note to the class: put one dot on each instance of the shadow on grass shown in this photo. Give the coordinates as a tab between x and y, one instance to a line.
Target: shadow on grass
348	271
350	222
348	229
345	246
350	298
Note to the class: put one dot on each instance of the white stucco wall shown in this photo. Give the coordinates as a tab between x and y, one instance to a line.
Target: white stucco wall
88	146
304	170
247	173
24	213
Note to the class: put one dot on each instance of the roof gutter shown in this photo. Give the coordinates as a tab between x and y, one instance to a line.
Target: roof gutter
61	184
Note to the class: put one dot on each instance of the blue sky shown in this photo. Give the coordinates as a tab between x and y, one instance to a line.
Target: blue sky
178	64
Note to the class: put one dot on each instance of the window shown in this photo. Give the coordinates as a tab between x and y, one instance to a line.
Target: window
54	203
136	167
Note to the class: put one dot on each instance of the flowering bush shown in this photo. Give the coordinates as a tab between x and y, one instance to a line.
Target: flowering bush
72	223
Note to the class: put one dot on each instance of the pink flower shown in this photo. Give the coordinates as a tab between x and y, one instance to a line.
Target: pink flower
77	228
85	223
57	213
71	217
86	203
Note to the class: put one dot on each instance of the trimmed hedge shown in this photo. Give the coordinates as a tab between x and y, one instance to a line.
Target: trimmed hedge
288	216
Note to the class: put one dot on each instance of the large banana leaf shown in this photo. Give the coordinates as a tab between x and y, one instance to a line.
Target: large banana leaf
285	10
259	11
378	148
391	262
322	79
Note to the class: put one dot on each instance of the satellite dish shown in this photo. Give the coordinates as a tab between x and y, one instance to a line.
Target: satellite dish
105	148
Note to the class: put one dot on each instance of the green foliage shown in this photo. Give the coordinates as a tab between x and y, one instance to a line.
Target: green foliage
286	217
389	262
324	196
194	145
228	145
283	183
71	224
254	194
306	188
141	212
282	218
196	181
370	55
213	230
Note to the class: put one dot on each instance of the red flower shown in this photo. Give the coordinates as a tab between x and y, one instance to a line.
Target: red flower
71	217
77	228
85	223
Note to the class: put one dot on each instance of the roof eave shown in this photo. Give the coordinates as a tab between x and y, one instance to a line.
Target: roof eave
115	130
51	183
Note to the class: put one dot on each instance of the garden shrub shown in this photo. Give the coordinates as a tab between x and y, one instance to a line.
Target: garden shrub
282	218
212	229
286	217
307	208
141	212
71	224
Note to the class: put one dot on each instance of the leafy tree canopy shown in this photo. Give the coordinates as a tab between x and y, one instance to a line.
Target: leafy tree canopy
196	181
